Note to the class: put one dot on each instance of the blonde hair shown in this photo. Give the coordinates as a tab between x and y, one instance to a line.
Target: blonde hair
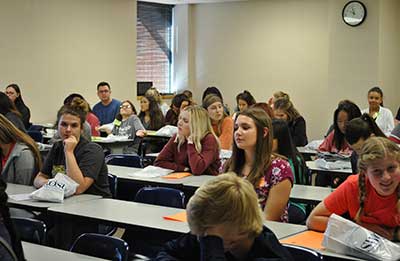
375	148
200	126
210	99
227	199
263	148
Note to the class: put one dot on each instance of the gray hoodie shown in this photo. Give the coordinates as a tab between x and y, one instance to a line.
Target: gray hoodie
20	166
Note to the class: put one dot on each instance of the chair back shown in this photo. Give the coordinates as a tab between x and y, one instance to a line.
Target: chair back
6	251
113	182
35	135
101	246
303	253
125	160
34	127
167	197
30	230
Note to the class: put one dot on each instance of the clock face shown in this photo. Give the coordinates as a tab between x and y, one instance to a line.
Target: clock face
354	13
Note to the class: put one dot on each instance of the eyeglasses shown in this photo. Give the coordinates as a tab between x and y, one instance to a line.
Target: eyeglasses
125	106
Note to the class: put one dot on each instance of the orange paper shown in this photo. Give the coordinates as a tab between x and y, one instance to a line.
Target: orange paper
181	217
177	175
310	239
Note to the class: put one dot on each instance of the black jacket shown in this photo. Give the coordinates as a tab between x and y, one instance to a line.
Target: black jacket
266	247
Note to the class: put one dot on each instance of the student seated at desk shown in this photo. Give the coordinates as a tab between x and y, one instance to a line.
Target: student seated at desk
80	159
335	141
20	157
226	224
358	130
222	124
285	110
382	116
243	101
195	148
371	198
252	158
127	124
283	145
7	232
178	103
8	109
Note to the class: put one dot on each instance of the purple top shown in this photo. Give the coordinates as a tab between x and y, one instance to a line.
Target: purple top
278	171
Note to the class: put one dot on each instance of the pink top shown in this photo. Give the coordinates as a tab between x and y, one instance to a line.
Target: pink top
329	145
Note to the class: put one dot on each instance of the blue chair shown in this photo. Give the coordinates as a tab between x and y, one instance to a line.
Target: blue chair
126	160
6	250
35	135
34	127
167	197
30	230
303	253
113	182
101	246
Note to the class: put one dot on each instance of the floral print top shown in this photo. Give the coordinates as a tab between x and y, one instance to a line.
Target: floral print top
278	171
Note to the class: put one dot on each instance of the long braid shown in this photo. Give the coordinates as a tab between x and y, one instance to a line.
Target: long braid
361	195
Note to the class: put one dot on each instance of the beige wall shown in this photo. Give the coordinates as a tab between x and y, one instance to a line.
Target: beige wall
54	47
301	47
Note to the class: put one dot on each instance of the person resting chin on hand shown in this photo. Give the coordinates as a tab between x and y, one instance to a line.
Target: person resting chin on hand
76	157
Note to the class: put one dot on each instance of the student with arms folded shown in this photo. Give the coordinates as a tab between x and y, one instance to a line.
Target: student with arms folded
195	148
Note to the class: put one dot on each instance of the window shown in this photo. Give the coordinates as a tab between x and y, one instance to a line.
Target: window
154	45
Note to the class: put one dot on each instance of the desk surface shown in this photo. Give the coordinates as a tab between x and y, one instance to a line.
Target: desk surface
126	214
312	166
125	173
299	193
309	194
304	150
35	252
13	189
282	230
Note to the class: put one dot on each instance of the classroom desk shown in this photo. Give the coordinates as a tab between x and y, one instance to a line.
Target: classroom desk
34	252
309	194
115	146
125	173
299	193
282	230
34	205
306	152
131	214
312	166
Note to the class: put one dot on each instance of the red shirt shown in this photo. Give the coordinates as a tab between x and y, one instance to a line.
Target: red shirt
377	209
93	122
206	162
5	158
